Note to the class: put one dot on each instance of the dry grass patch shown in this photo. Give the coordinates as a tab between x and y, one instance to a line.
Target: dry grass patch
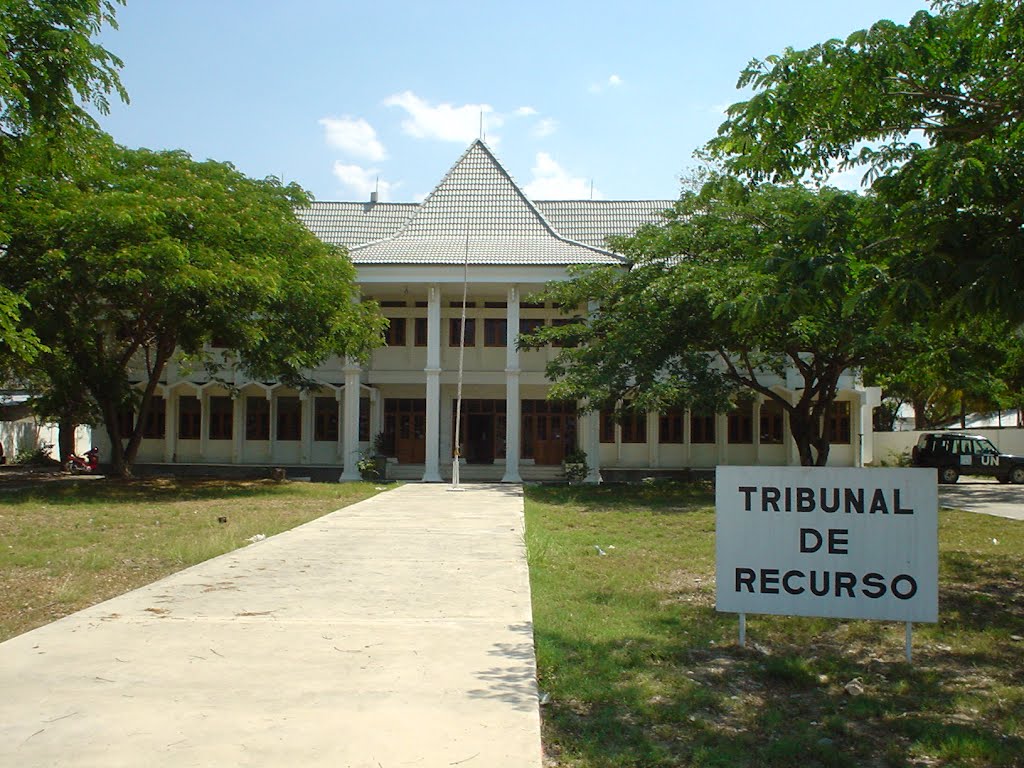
67	545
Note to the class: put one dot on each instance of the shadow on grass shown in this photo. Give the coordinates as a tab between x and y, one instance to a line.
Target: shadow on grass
660	702
977	595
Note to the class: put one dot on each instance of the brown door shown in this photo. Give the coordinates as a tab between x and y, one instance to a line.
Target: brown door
405	420
549	440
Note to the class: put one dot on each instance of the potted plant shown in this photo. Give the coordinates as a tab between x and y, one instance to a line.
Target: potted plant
369	467
575	466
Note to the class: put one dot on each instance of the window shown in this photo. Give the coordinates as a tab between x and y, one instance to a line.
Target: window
155	425
364	419
394	334
420	332
257	418
455	325
607	425
496	305
289	418
325	419
771	423
190	416
221	418
741	424
495	332
670	426
702	427
839	423
530	324
634	426
392	303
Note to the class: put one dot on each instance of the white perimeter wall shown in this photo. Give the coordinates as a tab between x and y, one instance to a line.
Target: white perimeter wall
26	434
889	443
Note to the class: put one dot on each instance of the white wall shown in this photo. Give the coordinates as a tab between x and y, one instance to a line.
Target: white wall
27	434
889	443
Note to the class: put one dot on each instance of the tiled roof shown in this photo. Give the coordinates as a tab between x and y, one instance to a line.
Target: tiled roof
478	205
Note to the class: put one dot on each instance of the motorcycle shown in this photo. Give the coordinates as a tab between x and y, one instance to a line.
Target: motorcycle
77	464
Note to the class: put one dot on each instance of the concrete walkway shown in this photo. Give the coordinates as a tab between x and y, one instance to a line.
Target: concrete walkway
977	494
395	632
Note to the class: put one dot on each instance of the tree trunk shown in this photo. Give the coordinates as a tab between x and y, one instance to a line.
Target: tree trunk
920	413
65	439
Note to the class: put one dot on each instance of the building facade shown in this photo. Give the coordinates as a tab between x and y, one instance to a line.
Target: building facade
477	248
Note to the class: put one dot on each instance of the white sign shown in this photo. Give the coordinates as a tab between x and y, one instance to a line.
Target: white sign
827	541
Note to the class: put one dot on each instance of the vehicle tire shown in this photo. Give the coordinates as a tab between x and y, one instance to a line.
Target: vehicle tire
949	475
1017	475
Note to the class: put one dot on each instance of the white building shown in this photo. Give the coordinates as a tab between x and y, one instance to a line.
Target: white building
412	259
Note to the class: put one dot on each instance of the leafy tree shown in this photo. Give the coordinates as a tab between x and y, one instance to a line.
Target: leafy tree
50	73
932	110
144	255
949	371
740	284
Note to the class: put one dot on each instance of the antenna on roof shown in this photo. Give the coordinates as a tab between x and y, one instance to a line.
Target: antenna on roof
483	136
376	187
591	189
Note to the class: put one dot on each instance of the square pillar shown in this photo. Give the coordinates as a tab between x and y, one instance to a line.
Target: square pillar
237	427
431	468
171	427
350	438
592	446
306	405
512	400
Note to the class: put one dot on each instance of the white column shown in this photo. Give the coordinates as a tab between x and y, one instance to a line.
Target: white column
204	421
512	401
431	469
171	426
687	438
306	404
237	427
272	434
756	416
350	438
722	437
653	440
592	446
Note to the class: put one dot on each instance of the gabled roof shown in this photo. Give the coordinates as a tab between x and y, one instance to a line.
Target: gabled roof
478	205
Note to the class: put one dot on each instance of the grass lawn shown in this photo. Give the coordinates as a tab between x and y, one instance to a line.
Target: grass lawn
68	545
641	670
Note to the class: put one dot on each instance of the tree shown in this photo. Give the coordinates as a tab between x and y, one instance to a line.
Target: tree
144	255
50	71
933	111
949	371
740	284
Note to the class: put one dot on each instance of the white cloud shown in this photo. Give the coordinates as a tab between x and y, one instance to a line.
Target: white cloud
362	181
353	135
445	122
544	127
525	112
552	182
613	81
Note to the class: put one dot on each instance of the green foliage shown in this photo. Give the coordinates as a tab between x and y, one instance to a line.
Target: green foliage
39	456
932	110
50	73
144	253
739	285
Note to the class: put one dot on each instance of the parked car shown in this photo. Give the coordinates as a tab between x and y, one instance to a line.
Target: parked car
954	454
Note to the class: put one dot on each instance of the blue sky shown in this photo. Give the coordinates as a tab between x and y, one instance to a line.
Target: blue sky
334	95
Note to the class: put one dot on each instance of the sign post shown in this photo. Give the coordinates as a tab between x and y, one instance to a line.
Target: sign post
842	542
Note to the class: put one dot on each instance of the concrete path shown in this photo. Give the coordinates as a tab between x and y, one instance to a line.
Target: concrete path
395	632
975	494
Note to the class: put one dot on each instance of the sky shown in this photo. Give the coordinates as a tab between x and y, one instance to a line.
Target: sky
576	99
